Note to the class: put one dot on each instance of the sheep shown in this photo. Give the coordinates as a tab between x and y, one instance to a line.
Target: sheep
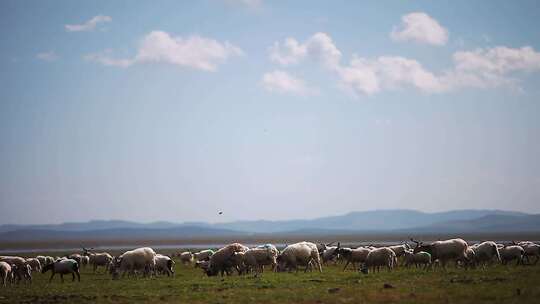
485	252
470	258
203	255
98	259
256	258
164	264
21	270
400	250
329	254
186	257
531	249
353	256
222	260
419	258
34	263
132	261
48	260
379	257
63	267
42	260
5	273
444	251
303	253
85	260
77	257
509	253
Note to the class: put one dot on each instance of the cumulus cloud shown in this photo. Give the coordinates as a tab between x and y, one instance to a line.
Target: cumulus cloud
160	47
47	56
480	68
318	47
283	82
89	25
370	76
420	27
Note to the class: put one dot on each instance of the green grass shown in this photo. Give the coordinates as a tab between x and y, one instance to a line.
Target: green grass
497	284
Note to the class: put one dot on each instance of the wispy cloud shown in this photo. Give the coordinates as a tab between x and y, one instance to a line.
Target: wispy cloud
89	25
47	56
160	47
283	82
420	27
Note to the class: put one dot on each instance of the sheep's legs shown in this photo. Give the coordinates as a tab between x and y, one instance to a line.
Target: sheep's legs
346	264
52	276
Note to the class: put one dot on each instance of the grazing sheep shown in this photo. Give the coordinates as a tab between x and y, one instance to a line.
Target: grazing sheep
421	258
531	250
400	250
34	264
444	251
470	258
77	257
303	253
485	252
203	255
164	264
48	260
42	260
510	253
21	270
5	273
134	261
353	256
186	257
329	254
63	267
222	260
98	259
256	258
85	260
379	257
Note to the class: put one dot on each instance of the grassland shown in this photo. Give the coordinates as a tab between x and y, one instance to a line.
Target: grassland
497	284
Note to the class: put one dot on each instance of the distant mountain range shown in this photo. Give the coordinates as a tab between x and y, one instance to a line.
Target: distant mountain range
377	221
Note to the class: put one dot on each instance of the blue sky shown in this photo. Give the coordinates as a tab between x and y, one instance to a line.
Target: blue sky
168	110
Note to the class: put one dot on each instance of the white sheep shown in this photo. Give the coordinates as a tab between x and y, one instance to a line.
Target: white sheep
34	264
85	260
186	257
417	259
485	252
531	250
222	260
510	253
164	264
5	273
21	270
98	259
257	258
203	255
329	254
302	253
42	260
379	257
353	256
134	261
444	251
63	266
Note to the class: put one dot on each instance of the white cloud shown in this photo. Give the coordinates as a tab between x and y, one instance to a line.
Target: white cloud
160	47
47	56
318	47
371	76
420	27
89	25
480	68
282	82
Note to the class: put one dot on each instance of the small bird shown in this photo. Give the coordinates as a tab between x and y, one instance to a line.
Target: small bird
220	213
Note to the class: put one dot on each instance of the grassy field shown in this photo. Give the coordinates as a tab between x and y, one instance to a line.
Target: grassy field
497	284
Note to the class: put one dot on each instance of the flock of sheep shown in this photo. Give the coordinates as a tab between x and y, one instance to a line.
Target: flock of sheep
236	257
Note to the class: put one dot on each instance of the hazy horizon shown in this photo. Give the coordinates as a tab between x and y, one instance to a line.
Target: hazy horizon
175	111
